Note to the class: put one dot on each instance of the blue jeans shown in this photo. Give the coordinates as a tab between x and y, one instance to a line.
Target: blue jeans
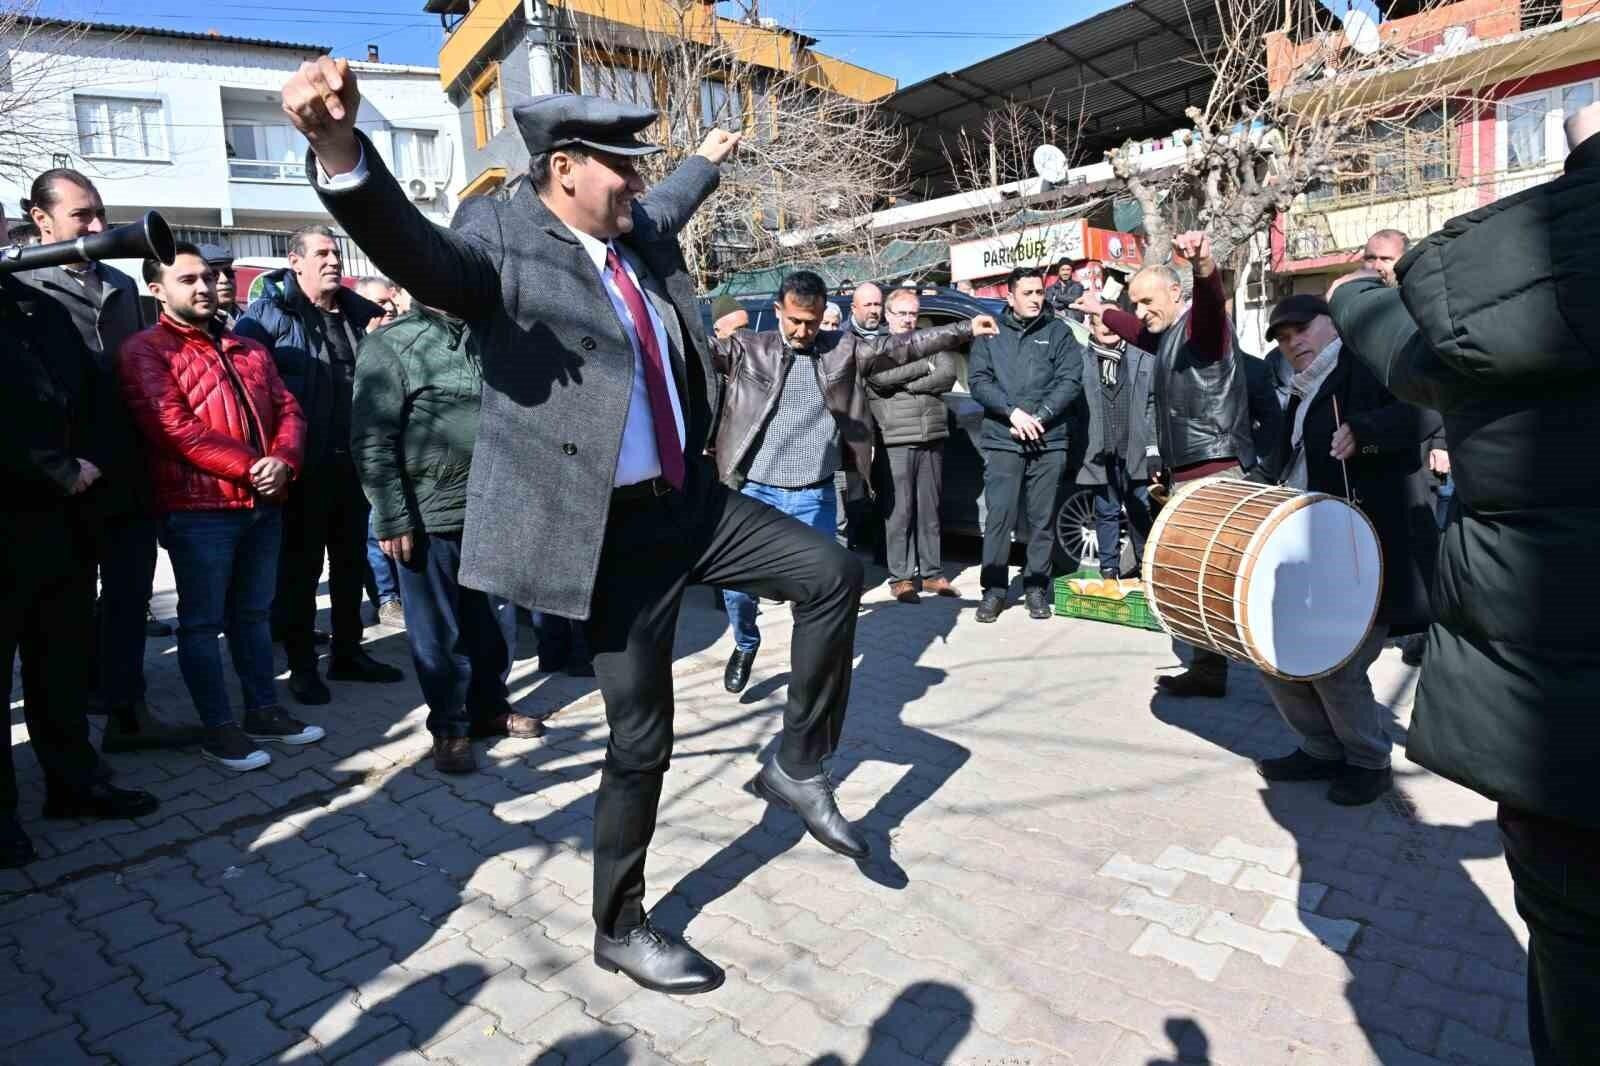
384	586
226	565
817	507
1110	500
462	641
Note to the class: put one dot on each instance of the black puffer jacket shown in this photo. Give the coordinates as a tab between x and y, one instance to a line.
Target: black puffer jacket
1497	332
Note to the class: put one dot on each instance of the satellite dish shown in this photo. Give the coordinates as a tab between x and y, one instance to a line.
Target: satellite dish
1050	163
1361	30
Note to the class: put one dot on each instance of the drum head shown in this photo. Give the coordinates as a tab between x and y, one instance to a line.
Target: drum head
1313	588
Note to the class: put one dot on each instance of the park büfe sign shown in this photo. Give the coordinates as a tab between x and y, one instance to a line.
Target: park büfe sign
1042	246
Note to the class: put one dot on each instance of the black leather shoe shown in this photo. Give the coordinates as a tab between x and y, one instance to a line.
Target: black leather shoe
1357	786
100	800
993	602
1298	766
737	675
1191	683
812	799
306	687
359	666
658	961
15	847
1038	603
136	728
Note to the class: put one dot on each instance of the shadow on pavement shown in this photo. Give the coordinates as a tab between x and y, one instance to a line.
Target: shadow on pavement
904	1018
1430	941
1190	1046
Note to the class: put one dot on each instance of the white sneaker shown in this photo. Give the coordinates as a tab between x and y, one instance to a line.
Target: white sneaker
228	746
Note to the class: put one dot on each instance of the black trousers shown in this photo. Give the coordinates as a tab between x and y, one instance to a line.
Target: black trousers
327	512
47	612
654	549
1012	480
911	510
1556	870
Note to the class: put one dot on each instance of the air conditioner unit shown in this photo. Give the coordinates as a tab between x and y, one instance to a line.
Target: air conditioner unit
420	189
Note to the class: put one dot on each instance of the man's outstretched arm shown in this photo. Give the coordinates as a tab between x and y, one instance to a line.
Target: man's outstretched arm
456	270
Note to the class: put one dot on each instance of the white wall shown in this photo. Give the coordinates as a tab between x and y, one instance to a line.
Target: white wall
191	79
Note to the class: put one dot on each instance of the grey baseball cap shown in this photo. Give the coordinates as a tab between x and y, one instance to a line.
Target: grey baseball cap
216	255
568	120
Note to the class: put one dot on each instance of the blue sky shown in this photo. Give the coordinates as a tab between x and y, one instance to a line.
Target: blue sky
904	40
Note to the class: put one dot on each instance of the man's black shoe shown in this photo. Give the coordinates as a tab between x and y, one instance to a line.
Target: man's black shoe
100	800
359	666
136	728
306	687
1357	786
737	675
993	602
812	799
1298	766
1192	683
15	847
658	961
1038	603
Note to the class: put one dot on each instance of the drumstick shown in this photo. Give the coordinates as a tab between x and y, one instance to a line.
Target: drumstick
1355	552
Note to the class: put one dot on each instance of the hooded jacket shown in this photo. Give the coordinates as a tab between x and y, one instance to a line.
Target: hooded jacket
1492	327
288	325
418	393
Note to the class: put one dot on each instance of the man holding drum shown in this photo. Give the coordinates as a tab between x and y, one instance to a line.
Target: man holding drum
1346	435
1204	409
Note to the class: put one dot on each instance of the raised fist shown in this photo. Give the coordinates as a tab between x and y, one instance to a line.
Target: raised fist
1195	246
321	99
985	326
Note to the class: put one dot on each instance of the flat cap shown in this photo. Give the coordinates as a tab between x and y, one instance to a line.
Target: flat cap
216	255
568	120
1297	310
725	305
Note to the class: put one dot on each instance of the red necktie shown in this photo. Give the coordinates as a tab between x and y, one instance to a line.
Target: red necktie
668	447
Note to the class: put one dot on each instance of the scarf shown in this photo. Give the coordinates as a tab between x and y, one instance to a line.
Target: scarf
860	331
1301	389
1110	359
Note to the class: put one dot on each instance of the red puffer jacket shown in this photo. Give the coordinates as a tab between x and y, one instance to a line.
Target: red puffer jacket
184	393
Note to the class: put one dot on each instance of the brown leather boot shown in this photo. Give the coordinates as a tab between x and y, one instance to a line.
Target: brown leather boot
453	755
904	591
939	586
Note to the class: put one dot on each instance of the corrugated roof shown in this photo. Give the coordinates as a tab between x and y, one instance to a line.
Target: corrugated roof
183	35
1125	73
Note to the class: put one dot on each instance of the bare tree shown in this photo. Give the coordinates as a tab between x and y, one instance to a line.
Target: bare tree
992	167
811	158
37	79
1296	104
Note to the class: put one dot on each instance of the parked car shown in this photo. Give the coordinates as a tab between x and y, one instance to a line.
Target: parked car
961	509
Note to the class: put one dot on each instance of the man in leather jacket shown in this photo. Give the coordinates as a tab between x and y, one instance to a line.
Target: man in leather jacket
795	410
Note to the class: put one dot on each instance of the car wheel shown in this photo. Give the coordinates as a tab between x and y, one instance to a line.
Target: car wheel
1077	545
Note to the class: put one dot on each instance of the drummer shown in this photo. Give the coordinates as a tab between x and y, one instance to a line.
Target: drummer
1342	428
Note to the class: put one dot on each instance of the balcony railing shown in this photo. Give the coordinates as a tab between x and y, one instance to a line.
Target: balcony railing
266	170
271	244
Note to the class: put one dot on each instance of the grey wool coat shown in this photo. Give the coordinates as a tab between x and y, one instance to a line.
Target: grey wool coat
557	366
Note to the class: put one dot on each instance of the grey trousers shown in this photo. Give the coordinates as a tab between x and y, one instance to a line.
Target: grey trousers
911	509
1337	716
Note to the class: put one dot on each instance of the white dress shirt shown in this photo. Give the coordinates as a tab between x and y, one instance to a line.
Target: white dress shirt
638	460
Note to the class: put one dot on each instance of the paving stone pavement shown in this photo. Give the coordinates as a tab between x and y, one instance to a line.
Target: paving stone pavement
1065	870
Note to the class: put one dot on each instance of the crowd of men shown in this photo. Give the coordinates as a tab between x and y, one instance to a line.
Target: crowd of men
396	438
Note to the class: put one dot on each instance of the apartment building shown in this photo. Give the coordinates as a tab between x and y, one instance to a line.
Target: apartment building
189	124
1531	63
